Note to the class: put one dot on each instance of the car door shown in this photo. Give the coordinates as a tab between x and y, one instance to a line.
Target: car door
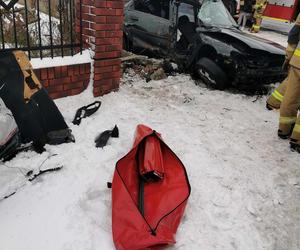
148	31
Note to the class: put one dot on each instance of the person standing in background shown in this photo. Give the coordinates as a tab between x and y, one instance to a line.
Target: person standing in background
246	9
259	8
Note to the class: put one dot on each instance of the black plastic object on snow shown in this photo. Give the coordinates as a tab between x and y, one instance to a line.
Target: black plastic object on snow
37	117
102	139
86	111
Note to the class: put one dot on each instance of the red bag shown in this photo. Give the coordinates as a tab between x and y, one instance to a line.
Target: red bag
150	190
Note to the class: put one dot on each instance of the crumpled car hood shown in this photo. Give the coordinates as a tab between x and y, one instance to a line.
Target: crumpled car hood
247	41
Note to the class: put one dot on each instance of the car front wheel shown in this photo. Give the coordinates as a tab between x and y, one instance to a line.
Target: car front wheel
211	74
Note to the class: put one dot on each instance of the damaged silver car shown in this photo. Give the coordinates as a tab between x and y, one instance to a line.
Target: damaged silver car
202	38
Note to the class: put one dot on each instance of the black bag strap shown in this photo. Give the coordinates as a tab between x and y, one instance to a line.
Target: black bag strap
30	82
86	111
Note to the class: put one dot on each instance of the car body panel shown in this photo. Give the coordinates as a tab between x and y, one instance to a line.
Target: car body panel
251	41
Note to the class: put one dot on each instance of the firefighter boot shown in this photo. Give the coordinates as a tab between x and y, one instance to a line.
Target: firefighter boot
285	130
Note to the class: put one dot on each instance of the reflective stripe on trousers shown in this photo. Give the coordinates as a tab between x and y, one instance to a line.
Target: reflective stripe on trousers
277	96
287	120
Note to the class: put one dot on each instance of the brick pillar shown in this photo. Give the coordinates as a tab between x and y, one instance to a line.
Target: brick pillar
102	22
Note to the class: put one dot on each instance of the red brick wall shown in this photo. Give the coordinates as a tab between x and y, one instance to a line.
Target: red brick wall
107	75
102	32
65	80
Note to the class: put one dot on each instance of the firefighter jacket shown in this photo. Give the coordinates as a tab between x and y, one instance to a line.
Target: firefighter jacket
259	8
293	52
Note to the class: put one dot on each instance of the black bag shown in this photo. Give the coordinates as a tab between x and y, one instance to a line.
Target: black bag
37	117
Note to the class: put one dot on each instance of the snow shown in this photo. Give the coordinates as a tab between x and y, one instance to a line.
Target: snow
48	62
245	180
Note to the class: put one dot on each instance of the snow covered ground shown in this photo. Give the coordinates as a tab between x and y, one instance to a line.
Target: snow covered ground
245	181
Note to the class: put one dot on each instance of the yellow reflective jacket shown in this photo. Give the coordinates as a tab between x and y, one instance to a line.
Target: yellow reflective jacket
259	8
293	50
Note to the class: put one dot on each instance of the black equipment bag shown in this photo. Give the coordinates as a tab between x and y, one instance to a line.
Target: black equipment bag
34	111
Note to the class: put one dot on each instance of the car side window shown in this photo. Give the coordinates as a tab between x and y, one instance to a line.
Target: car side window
158	8
186	26
186	10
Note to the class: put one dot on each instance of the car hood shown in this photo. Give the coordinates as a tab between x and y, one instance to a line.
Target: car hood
245	41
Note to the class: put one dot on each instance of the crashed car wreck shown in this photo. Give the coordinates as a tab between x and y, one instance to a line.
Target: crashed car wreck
202	38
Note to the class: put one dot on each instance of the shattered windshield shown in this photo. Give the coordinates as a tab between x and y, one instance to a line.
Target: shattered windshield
214	13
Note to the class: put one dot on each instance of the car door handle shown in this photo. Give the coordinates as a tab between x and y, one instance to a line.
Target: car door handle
133	18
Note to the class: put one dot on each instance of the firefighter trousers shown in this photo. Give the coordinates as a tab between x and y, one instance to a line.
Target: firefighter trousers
257	24
290	106
275	99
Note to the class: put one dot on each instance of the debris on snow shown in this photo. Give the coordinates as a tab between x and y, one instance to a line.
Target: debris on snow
148	68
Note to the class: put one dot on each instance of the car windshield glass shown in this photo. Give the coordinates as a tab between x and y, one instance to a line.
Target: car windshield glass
214	13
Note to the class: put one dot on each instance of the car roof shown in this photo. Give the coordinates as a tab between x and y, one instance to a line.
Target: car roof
192	2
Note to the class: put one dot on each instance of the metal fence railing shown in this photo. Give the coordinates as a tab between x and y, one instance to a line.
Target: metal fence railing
43	28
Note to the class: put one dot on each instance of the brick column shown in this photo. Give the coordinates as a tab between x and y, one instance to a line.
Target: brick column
102	22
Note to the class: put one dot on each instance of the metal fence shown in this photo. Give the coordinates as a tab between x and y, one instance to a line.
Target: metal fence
43	28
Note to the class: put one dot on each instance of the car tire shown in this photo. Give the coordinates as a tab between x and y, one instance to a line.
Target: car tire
211	74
